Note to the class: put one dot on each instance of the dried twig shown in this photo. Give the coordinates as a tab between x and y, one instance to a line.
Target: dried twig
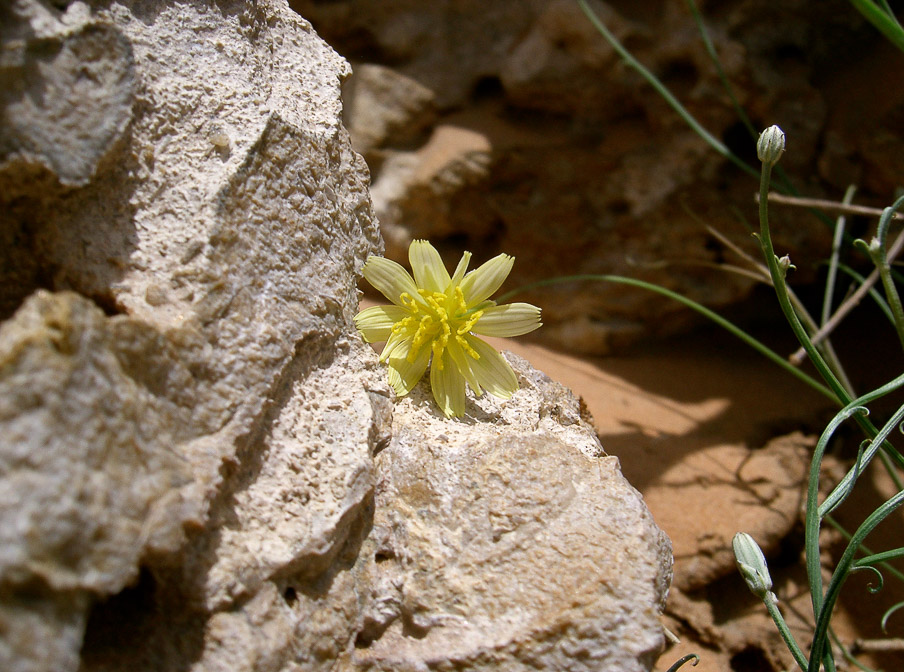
850	303
833	206
890	644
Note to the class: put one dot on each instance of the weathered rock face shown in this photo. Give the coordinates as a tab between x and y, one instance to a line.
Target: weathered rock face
545	145
209	199
508	542
189	422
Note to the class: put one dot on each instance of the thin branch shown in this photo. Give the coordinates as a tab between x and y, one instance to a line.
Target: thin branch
849	304
865	645
834	206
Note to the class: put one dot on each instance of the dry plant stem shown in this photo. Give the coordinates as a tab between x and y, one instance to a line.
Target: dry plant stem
833	206
833	260
826	347
878	645
761	273
850	303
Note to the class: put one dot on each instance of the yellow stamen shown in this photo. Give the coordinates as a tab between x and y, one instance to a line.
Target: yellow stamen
441	319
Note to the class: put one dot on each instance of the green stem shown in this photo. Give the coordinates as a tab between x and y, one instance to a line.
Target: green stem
723	78
703	310
841	573
880	557
840	491
885	24
673	102
864	548
729	90
813	517
878	252
772	607
837	239
781	291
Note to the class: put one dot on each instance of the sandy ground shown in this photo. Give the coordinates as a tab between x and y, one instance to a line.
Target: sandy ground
718	440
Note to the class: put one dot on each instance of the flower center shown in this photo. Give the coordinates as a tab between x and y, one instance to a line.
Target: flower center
444	317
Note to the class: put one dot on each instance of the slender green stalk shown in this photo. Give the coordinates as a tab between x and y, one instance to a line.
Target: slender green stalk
842	571
729	90
778	281
815	513
878	252
714	57
673	102
701	309
777	273
884	22
899	575
772	607
876	558
834	499
813	519
889	11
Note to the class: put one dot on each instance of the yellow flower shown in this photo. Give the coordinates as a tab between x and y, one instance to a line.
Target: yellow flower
437	316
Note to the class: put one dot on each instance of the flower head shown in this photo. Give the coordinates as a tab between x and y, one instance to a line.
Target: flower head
435	317
770	145
752	564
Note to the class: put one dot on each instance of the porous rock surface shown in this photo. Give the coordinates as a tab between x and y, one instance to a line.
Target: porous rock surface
199	465
508	541
528	134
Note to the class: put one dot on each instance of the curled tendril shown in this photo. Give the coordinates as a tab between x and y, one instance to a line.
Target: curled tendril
681	661
888	613
870	587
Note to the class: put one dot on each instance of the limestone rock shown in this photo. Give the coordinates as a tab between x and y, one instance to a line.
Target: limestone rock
383	107
189	421
219	216
416	189
67	94
89	477
508	541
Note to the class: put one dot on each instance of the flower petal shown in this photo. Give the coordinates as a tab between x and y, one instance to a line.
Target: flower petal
511	319
398	346
429	271
404	375
480	283
460	271
389	278
375	323
448	387
493	372
463	361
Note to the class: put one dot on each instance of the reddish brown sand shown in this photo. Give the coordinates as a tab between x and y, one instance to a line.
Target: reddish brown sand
718	440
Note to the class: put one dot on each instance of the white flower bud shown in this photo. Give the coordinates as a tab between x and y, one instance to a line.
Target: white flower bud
771	145
752	564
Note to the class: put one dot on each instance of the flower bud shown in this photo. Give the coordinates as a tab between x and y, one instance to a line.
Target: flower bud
752	564
771	145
